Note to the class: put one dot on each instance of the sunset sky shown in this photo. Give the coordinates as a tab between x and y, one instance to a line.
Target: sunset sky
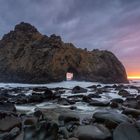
94	24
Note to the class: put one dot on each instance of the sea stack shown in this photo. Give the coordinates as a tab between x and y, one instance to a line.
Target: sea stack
27	56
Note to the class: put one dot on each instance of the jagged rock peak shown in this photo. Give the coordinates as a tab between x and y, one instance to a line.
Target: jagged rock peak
55	37
25	27
23	32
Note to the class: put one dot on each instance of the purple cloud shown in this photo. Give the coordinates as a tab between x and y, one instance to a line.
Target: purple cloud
113	25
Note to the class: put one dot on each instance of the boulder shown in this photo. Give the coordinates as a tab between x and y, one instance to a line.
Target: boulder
131	111
110	118
87	99
123	93
92	132
35	98
138	97
79	89
8	122
20	99
30	121
43	131
7	107
43	92
38	114
64	132
68	117
117	100
126	131
114	105
11	135
131	102
64	101
27	56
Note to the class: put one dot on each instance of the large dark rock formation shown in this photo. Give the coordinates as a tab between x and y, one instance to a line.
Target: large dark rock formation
28	56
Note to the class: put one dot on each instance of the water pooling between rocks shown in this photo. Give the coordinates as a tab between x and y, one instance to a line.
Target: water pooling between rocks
67	110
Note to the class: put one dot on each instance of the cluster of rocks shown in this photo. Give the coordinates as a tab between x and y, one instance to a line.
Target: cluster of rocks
115	119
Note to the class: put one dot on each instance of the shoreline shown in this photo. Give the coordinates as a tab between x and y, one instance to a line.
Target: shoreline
79	106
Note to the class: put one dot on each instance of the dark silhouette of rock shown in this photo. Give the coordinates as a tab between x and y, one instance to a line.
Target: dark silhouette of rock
123	93
64	101
7	107
117	100
27	56
79	89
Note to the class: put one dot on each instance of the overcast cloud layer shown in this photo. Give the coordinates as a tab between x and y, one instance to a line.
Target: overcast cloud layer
94	24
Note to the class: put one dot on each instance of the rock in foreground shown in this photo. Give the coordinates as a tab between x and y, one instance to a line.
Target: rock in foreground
127	131
27	56
92	132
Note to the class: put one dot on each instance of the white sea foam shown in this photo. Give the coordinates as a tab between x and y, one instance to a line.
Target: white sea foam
68	84
65	84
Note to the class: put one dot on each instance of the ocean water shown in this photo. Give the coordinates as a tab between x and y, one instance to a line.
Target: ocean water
81	106
135	82
65	84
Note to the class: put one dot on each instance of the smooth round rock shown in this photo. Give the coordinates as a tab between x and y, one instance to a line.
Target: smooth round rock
92	132
9	122
78	89
123	93
126	131
68	117
110	116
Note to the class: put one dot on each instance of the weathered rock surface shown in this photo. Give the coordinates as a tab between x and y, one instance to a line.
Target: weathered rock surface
7	106
92	132
79	89
8	122
131	111
68	117
123	93
127	131
41	113
27	56
10	135
111	118
45	130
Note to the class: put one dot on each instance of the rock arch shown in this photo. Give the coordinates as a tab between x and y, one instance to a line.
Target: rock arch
71	73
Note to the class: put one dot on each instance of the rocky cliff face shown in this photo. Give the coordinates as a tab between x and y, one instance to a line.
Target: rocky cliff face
28	56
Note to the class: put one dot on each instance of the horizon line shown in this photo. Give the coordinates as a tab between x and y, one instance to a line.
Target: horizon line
133	77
